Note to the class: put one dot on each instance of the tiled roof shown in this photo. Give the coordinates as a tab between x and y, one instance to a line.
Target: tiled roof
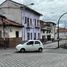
9	22
47	22
61	30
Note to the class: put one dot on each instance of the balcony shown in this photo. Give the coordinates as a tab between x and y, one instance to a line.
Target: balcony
37	27
28	27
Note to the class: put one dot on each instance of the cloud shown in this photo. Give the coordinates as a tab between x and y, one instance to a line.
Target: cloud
51	9
61	25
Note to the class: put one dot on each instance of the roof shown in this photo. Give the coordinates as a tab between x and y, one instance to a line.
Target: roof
23	6
8	22
47	22
62	30
51	22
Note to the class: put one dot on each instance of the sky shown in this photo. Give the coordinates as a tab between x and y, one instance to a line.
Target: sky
50	9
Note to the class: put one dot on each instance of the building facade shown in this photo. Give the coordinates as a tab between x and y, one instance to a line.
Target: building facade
10	32
48	30
23	15
31	24
62	33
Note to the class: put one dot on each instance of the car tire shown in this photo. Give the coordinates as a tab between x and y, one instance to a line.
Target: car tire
40	49
22	50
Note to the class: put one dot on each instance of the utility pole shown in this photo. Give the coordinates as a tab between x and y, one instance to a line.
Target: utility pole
58	27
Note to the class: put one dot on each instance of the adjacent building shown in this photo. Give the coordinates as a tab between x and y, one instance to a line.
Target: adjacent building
48	30
10	32
62	33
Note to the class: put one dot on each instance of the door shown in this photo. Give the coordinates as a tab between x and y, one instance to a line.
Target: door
37	45
48	37
29	46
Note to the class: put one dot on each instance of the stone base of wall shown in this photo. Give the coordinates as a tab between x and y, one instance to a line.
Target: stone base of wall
9	42
14	41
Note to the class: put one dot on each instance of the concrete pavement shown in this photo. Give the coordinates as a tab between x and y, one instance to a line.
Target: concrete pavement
50	57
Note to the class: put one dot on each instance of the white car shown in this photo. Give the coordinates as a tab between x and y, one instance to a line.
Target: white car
31	45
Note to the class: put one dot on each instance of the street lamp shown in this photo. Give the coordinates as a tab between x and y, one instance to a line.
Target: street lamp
58	27
2	20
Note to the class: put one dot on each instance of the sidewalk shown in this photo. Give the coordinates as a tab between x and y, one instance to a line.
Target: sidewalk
53	44
47	42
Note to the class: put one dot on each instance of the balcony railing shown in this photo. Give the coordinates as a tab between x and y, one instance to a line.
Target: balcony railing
37	26
28	26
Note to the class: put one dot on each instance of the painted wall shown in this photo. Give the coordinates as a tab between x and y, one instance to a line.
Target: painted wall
33	30
11	10
10	32
52	33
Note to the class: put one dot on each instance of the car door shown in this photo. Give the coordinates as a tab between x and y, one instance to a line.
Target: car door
29	46
36	45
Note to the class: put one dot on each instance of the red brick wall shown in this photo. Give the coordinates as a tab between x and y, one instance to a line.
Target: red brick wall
14	41
9	42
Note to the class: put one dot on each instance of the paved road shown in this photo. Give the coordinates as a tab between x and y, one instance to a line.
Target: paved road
48	58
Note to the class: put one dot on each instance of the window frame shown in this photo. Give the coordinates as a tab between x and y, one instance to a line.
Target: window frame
28	43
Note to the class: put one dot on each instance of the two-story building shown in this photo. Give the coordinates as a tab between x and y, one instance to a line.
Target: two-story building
24	15
48	30
10	32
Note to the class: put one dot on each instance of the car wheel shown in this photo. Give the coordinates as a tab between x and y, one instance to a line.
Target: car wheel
40	50
22	50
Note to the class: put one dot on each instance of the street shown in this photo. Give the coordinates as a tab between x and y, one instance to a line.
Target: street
50	57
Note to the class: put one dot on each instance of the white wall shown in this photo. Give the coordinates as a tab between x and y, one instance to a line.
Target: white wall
52	33
13	31
10	32
11	10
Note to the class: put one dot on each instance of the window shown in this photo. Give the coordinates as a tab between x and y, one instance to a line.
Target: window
30	43
48	31
28	29
43	31
0	34
38	23
36	42
17	33
38	35
34	36
35	21
28	36
25	19
31	35
30	21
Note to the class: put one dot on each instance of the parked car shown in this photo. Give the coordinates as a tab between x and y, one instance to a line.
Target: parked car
30	45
